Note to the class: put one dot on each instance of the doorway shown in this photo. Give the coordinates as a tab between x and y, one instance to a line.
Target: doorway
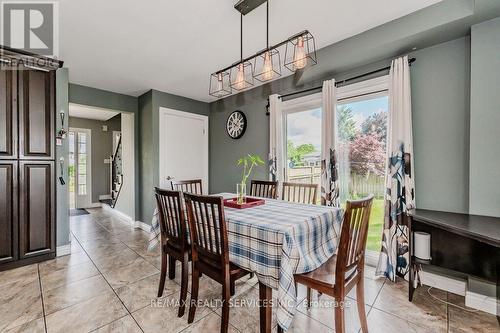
80	185
183	147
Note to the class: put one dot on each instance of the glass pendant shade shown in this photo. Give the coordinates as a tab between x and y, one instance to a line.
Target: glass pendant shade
300	51
242	75
267	66
220	84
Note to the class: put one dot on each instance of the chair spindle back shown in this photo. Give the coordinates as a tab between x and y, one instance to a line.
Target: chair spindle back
189	186
300	192
264	189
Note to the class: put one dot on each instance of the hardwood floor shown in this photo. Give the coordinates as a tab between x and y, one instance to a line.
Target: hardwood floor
109	284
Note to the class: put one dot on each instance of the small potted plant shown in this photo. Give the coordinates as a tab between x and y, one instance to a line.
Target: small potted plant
248	163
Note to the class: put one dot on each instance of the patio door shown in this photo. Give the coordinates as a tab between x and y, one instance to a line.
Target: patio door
80	191
183	147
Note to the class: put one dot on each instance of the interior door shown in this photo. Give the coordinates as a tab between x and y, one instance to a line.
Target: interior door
80	188
183	147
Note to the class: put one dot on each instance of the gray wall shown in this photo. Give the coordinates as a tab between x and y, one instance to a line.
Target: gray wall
485	119
440	99
101	149
62	213
440	107
149	105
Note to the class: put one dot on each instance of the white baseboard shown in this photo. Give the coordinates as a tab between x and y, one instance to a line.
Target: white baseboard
63	250
105	196
143	226
118	214
481	302
450	284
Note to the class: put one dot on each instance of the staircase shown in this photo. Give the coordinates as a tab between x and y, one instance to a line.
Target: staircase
116	173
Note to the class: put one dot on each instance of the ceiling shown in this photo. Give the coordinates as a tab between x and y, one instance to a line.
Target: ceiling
130	46
89	112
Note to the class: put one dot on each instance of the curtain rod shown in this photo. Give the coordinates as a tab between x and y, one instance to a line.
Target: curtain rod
319	88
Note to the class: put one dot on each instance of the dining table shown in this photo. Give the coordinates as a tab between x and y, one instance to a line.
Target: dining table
275	241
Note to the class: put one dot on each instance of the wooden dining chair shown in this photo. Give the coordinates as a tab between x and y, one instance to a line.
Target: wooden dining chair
339	274
264	189
299	192
190	186
174	240
210	252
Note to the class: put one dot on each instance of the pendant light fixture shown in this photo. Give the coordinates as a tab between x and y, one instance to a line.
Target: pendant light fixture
241	75
300	52
267	63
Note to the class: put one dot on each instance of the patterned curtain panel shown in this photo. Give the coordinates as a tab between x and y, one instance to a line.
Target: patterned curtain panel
275	161
329	165
400	193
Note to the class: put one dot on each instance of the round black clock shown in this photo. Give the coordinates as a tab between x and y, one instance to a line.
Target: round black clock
236	124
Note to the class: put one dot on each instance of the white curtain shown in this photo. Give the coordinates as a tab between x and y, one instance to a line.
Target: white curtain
400	192
329	166
276	148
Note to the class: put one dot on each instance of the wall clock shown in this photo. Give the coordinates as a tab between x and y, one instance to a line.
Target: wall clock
236	124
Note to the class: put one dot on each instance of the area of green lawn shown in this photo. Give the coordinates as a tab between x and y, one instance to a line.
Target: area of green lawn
376	225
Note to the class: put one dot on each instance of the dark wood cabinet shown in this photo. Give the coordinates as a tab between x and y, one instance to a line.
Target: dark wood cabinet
36	114
27	167
8	114
36	208
8	211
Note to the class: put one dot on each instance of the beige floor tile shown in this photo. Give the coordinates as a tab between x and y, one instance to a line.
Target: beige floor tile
322	309
162	316
305	324
88	315
61	277
63	262
24	274
473	321
382	322
104	250
134	271
123	325
117	259
73	293
244	311
34	326
209	324
20	303
372	289
393	298
141	293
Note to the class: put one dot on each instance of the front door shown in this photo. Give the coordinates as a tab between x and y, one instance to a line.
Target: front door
80	191
183	147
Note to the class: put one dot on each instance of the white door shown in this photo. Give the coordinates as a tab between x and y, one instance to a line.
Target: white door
80	168
183	147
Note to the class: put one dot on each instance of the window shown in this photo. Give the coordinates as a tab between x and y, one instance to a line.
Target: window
302	119
362	112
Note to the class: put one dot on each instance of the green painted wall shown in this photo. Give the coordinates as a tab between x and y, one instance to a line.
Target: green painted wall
440	83
101	149
62	214
149	105
101	98
485	119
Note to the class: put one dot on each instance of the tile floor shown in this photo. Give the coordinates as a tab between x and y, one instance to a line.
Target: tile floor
109	284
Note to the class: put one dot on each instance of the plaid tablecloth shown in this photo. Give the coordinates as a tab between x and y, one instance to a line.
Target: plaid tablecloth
276	241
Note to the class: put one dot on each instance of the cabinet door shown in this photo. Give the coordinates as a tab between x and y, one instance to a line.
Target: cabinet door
8	115
36	208
8	211
36	114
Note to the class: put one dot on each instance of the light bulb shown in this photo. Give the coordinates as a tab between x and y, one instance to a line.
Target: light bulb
240	83
219	82
267	70
300	57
